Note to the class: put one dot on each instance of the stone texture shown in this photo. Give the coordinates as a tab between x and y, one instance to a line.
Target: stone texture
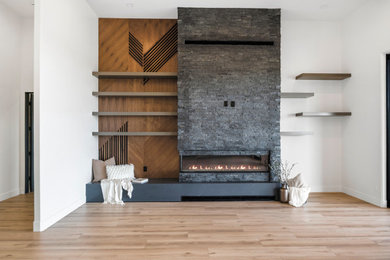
212	74
224	177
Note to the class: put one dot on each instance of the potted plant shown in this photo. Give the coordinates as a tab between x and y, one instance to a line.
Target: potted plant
284	172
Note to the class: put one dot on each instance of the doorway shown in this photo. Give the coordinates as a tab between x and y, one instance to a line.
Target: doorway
29	142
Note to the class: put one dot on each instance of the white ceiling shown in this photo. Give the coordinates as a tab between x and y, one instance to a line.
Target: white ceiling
292	9
23	8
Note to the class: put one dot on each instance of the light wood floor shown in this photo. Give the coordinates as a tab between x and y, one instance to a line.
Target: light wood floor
331	226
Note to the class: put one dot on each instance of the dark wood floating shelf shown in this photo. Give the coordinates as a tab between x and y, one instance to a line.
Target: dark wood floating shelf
134	113
323	76
295	133
134	133
296	94
134	75
135	94
323	114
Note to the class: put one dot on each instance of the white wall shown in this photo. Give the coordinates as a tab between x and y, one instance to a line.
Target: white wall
10	61
67	54
27	54
312	46
26	85
366	39
16	66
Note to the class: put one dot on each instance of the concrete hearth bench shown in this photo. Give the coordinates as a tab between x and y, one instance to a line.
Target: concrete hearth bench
173	190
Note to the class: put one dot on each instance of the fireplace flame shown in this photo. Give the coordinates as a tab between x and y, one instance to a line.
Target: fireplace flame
224	167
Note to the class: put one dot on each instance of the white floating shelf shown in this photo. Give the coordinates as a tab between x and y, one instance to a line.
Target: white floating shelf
296	94
323	114
295	133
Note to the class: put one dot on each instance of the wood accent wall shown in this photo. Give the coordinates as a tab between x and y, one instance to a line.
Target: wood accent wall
158	153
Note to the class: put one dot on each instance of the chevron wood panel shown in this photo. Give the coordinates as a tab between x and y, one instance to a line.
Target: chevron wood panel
136	85
139	124
163	148
123	44
136	152
137	104
113	46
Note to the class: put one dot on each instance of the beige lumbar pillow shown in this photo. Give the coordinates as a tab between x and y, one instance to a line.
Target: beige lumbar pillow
296	182
99	168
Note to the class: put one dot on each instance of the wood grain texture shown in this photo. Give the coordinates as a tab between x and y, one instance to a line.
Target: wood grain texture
136	94
135	75
113	46
113	134
323	76
134	113
331	226
114	57
114	42
161	148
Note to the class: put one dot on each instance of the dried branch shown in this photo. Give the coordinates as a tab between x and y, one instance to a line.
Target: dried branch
284	170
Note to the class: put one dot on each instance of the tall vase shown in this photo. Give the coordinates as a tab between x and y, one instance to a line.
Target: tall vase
284	193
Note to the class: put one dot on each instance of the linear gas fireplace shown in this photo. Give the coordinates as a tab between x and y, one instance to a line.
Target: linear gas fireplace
224	163
224	166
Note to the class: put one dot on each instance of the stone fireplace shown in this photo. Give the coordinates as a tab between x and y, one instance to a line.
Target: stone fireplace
228	94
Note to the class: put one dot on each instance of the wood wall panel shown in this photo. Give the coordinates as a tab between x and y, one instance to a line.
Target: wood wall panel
137	104
136	85
113	46
138	123
159	154
136	155
161	148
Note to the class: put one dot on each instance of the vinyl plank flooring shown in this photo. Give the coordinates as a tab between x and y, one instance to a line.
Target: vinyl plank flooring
330	226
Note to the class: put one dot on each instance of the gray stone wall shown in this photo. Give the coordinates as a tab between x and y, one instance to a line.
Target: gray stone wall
224	177
249	75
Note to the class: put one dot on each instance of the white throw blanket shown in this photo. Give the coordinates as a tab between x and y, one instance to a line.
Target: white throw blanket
112	190
298	196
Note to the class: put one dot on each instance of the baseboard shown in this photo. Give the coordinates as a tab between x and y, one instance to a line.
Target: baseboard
36	226
326	189
366	197
9	194
42	225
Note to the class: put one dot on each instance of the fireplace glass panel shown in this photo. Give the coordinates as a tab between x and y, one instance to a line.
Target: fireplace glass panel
212	163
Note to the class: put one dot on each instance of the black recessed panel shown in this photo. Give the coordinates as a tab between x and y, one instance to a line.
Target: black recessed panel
29	142
388	127
227	198
206	42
